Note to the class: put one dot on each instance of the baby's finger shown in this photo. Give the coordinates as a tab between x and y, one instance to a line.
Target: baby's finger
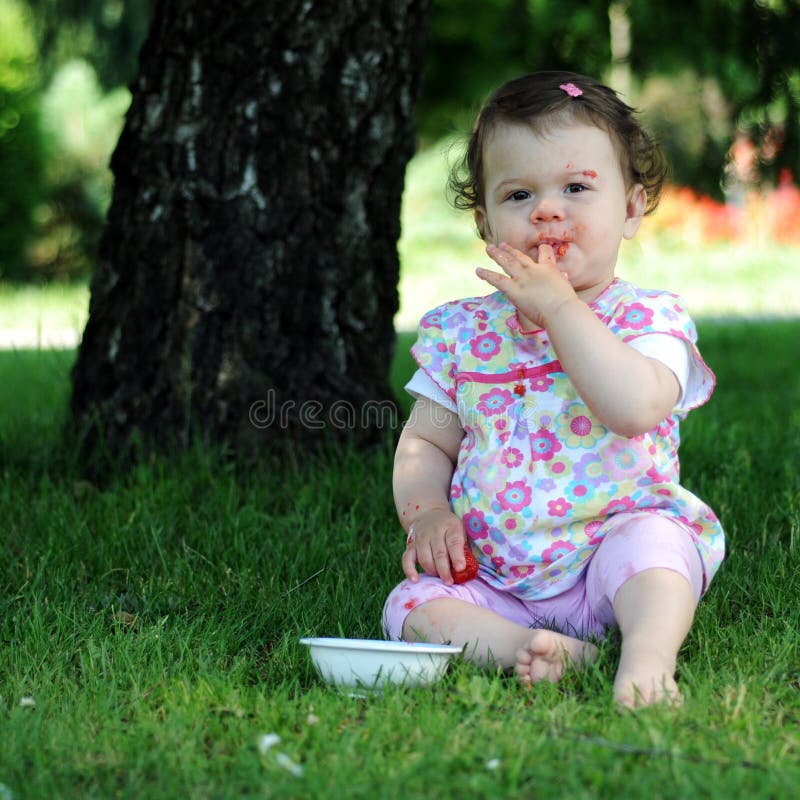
546	254
409	562
425	557
441	560
491	277
455	547
505	257
516	259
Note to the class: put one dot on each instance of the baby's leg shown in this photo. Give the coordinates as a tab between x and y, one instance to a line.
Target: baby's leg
493	639
646	577
655	610
493	626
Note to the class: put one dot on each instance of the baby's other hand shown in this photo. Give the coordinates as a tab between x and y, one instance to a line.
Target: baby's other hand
435	542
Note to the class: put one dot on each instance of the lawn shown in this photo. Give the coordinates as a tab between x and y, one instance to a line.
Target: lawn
149	625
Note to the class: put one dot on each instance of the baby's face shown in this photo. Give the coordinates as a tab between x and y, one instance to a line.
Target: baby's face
564	188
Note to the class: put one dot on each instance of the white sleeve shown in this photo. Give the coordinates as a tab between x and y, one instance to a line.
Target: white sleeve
677	355
422	385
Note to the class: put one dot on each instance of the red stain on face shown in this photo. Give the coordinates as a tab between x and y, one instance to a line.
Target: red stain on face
560	245
590	173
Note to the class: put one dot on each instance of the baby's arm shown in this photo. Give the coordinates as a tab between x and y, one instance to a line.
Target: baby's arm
629	392
423	466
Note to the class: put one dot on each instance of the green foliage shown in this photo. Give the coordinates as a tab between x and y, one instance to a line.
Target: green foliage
55	185
692	121
21	148
701	69
749	49
105	33
154	621
82	125
475	45
58	127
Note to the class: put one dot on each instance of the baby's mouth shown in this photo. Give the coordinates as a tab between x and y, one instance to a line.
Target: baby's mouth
560	247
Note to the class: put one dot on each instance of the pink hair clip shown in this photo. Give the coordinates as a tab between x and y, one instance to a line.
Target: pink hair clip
571	89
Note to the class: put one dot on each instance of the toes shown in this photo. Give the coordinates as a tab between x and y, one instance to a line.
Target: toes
524	657
522	667
547	655
552	673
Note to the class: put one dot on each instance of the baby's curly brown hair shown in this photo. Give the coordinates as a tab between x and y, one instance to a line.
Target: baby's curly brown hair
538	101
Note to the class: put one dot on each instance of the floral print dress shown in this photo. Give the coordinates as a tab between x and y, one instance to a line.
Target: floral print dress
538	474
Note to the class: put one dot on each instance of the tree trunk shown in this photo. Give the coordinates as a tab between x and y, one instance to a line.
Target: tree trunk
248	272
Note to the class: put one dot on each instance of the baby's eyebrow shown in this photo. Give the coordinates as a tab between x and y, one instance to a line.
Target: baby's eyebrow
583	173
508	182
572	171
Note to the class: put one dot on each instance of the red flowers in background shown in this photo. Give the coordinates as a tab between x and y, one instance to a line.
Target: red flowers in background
771	214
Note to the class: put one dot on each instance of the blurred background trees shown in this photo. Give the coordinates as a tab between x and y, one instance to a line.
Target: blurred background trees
718	80
64	70
701	70
22	154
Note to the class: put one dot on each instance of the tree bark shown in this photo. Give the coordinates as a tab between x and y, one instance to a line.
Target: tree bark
247	276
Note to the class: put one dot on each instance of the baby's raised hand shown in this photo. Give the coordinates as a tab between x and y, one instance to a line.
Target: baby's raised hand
535	288
435	542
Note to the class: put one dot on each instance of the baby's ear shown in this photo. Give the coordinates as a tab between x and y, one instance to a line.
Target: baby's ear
480	222
637	205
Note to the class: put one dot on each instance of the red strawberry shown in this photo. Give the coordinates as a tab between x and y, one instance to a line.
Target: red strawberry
470	571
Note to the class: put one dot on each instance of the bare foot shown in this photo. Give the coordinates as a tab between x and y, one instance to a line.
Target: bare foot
645	677
547	654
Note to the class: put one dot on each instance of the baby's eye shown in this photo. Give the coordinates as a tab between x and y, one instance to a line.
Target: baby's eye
576	188
519	195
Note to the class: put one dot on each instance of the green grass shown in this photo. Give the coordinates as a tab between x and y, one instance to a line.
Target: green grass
154	620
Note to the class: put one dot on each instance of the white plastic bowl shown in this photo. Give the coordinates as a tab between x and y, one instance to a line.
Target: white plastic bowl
372	663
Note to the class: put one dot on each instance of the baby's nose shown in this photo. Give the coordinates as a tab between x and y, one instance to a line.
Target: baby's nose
547	210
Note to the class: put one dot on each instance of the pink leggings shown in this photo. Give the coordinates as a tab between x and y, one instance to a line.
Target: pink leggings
634	543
